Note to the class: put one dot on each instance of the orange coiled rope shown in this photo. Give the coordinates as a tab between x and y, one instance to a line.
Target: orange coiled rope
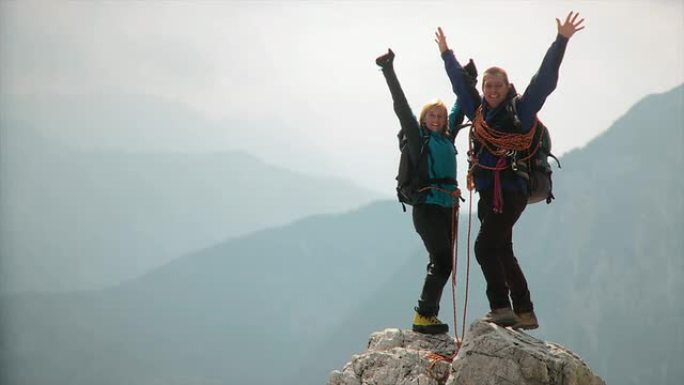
497	142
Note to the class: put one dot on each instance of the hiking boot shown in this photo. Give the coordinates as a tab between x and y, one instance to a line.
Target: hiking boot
385	60
528	321
429	325
503	317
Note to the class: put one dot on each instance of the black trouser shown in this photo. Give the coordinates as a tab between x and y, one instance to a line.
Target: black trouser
494	251
433	224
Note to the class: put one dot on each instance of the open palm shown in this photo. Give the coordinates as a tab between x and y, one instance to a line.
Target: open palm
570	26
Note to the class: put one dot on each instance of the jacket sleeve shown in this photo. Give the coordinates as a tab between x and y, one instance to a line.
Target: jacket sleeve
456	116
467	95
409	124
543	83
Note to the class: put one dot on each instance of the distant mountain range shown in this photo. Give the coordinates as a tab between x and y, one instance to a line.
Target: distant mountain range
288	304
84	219
215	316
604	261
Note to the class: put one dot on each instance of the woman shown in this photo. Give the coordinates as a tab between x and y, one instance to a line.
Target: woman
502	192
430	141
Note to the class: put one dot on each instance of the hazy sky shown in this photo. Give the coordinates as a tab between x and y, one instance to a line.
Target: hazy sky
294	82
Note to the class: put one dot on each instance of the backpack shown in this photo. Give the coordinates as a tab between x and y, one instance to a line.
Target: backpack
412	176
533	164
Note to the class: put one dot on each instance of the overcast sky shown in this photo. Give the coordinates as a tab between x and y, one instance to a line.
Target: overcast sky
297	79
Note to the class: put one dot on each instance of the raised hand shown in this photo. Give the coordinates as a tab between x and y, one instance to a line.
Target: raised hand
570	26
385	60
440	39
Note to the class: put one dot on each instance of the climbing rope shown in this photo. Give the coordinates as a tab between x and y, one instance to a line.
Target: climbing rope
455	209
454	264
498	142
501	145
467	282
436	357
455	195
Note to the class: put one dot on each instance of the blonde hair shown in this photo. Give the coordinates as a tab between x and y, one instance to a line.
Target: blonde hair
439	104
494	71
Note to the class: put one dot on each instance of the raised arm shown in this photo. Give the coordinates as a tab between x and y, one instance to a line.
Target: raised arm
408	121
457	115
462	83
545	80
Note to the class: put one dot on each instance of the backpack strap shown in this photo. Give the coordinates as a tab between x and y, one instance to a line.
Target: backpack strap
556	159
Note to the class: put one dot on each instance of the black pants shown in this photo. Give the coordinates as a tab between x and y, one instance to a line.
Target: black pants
494	252
433	224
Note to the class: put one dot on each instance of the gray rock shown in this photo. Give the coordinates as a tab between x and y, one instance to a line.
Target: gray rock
493	355
398	357
490	355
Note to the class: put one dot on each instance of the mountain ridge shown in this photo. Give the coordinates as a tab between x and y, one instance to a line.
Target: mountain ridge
289	295
105	216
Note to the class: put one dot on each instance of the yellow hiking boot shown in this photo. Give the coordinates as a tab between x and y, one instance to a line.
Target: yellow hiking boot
429	324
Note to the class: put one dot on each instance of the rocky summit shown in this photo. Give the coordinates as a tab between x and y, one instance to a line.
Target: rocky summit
489	355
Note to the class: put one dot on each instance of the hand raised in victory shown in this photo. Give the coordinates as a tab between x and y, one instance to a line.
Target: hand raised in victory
440	39
570	26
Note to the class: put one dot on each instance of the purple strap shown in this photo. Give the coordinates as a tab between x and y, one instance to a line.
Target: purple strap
498	201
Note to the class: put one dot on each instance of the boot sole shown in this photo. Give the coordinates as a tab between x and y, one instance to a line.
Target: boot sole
526	327
431	329
504	323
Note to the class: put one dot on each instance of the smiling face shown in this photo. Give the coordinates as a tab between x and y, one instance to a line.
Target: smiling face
434	116
495	86
435	119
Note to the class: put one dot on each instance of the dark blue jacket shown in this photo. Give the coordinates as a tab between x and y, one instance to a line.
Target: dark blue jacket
527	105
